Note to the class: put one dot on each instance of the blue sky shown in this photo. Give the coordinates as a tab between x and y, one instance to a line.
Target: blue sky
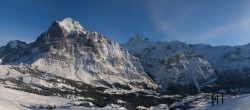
215	22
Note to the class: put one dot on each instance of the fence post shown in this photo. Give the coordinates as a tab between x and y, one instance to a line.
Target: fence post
217	99
212	97
222	98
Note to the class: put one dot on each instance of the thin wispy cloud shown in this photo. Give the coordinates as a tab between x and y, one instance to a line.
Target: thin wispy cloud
242	24
172	20
169	19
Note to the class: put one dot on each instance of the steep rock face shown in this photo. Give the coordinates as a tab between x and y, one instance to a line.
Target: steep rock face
68	50
55	32
231	64
172	64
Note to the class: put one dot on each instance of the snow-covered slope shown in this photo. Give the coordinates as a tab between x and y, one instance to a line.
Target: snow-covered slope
230	63
67	50
13	99
172	64
74	94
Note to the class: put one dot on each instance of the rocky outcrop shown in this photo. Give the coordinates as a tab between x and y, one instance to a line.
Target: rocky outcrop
13	51
231	64
173	65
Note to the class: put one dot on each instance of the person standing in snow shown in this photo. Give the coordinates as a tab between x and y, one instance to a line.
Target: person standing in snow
212	97
1	61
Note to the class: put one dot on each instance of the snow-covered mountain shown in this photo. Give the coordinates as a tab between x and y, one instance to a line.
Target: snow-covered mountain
70	51
66	49
173	65
231	64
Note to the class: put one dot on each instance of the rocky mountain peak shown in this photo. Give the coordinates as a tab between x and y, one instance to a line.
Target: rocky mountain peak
71	25
61	30
176	42
67	50
16	43
55	33
13	50
138	39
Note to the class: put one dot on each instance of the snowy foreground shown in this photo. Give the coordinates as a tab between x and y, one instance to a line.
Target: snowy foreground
12	99
234	103
18	100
